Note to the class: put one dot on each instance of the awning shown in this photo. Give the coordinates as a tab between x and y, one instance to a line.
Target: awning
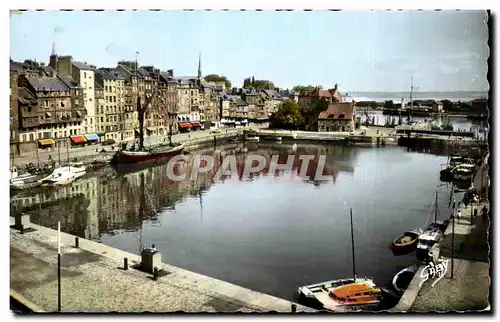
48	114
78	113
78	139
244	121
46	142
150	129
92	137
185	125
195	124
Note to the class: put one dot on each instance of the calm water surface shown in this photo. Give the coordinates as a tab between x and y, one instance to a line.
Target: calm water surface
268	233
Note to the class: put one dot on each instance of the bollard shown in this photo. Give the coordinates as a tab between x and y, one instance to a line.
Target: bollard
294	308
125	264
77	242
155	274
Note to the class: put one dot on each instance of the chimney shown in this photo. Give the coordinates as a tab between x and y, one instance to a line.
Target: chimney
336	87
170	72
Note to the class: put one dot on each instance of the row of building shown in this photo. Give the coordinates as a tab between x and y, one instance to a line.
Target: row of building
69	102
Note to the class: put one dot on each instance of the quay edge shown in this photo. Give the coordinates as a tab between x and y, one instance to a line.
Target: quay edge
194	290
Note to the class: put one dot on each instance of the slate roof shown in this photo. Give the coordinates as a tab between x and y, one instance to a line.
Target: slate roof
272	94
335	110
47	84
83	66
247	91
68	80
110	74
20	67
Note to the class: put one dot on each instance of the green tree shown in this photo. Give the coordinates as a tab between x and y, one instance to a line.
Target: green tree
311	112
252	83
218	78
287	116
389	104
306	89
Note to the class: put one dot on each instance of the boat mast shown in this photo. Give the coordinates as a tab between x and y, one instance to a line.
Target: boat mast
352	246
436	207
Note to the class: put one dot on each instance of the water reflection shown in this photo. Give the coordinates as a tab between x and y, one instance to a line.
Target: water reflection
114	200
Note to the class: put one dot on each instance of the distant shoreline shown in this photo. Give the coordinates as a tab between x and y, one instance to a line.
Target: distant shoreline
396	97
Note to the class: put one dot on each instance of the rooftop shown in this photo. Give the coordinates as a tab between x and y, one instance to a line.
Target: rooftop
46	84
344	110
83	66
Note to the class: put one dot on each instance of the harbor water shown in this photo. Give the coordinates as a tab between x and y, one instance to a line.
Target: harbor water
269	232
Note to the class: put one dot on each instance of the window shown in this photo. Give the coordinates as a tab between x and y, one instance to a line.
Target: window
91	121
90	100
62	104
84	75
32	137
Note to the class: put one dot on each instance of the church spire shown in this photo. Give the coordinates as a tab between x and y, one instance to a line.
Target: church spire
53	48
199	66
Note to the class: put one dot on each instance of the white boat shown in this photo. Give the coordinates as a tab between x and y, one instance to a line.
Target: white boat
66	175
402	279
426	240
344	294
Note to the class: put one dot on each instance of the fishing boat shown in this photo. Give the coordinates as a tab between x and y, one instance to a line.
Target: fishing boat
427	240
402	279
66	175
143	155
344	294
406	243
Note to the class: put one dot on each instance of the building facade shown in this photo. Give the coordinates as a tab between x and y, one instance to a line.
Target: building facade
338	117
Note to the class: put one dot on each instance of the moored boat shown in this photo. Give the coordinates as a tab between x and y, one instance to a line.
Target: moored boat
66	175
124	156
22	185
464	172
351	293
403	278
406	243
426	240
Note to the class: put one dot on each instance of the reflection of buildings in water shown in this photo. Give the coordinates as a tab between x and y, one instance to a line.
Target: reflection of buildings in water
75	205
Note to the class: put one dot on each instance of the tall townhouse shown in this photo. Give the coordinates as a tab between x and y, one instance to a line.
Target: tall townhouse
168	87
209	103
256	105
100	105
272	101
189	112
51	109
84	74
134	88
117	121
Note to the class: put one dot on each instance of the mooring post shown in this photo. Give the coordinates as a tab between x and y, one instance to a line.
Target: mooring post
155	274
77	242
294	308
125	263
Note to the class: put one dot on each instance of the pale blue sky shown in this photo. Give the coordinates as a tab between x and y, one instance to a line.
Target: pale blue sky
362	51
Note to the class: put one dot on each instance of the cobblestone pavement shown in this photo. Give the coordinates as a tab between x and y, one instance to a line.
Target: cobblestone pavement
469	288
93	280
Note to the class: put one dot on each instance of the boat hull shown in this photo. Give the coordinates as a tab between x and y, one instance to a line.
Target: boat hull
399	247
128	157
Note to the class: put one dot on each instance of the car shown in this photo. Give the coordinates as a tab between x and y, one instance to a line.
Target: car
216	131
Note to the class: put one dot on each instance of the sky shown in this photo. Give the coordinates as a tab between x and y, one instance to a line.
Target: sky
360	50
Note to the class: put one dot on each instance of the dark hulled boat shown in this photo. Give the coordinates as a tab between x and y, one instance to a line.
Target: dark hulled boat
406	243
127	157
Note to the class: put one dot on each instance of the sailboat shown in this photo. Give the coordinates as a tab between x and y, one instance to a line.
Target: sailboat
141	154
348	293
431	235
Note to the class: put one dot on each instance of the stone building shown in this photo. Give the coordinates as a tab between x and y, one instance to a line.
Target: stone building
338	117
115	120
51	109
84	74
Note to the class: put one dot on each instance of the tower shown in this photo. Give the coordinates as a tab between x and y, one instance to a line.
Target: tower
53	57
199	66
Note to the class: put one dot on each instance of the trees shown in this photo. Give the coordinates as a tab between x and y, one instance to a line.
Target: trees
306	89
389	104
252	83
218	78
287	116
